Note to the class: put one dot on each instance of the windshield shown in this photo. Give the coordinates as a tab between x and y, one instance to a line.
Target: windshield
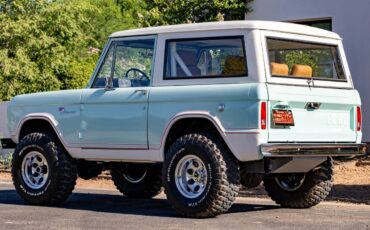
296	59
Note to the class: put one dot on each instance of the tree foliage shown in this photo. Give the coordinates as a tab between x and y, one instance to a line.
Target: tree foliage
38	42
54	44
161	12
46	45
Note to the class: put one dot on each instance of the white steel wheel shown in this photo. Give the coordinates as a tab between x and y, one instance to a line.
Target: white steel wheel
191	176
35	170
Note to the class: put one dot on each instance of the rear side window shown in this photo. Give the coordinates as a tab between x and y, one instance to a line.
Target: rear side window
295	59
205	58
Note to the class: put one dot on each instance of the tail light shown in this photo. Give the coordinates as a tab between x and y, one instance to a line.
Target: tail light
263	115
359	118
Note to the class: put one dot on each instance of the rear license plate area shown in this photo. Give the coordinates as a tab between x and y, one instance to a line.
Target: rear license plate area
282	117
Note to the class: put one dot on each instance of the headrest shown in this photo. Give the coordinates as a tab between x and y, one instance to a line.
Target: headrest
301	71
279	69
234	65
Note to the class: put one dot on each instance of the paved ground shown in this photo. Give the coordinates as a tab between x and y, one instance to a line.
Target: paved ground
105	209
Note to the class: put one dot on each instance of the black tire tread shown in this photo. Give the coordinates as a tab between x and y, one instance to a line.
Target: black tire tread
152	186
65	167
227	174
318	184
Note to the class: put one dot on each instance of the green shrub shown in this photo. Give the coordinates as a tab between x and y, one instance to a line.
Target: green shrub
6	162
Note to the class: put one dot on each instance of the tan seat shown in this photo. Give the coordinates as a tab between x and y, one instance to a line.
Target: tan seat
301	71
234	65
279	69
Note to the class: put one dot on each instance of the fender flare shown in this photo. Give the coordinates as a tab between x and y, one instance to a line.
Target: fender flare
192	114
38	116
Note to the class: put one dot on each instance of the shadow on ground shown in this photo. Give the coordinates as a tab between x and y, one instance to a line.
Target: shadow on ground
351	193
115	203
108	203
339	192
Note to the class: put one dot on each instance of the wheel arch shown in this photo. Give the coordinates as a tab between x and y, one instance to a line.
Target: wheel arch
190	122
44	123
38	122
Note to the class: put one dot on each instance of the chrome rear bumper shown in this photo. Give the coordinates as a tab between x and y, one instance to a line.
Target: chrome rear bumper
304	150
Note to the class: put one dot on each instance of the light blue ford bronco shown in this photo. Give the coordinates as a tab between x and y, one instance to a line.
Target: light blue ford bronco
198	109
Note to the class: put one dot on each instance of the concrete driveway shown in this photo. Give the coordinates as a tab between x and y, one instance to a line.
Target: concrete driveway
106	209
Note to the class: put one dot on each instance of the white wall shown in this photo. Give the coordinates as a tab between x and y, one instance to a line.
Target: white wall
3	125
351	20
3	120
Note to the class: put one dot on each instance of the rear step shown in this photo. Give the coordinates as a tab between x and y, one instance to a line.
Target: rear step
296	150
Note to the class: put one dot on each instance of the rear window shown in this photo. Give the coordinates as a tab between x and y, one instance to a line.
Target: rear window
297	59
205	58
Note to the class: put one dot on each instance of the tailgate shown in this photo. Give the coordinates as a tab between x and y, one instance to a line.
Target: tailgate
319	114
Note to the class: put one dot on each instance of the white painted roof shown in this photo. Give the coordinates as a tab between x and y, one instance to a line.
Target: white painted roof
230	25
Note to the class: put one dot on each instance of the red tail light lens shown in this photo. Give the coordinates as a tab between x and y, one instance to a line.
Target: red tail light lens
359	118
263	117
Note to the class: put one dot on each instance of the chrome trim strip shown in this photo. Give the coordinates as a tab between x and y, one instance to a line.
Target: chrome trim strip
324	149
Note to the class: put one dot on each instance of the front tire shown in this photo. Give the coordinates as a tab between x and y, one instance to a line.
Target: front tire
138	180
199	179
43	173
301	190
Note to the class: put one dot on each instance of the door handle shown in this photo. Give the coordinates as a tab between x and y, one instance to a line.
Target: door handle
312	105
142	91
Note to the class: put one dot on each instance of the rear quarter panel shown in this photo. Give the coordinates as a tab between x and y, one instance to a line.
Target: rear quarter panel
239	117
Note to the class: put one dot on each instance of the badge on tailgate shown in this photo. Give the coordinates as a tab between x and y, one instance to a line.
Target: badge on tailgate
282	117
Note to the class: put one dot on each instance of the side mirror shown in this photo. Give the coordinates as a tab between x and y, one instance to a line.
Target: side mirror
108	83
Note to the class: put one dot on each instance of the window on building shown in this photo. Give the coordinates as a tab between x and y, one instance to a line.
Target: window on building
325	24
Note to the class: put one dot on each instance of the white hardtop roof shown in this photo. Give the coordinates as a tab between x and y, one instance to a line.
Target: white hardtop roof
230	25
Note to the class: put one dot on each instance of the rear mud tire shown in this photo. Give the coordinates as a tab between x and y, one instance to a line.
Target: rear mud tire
315	188
221	186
